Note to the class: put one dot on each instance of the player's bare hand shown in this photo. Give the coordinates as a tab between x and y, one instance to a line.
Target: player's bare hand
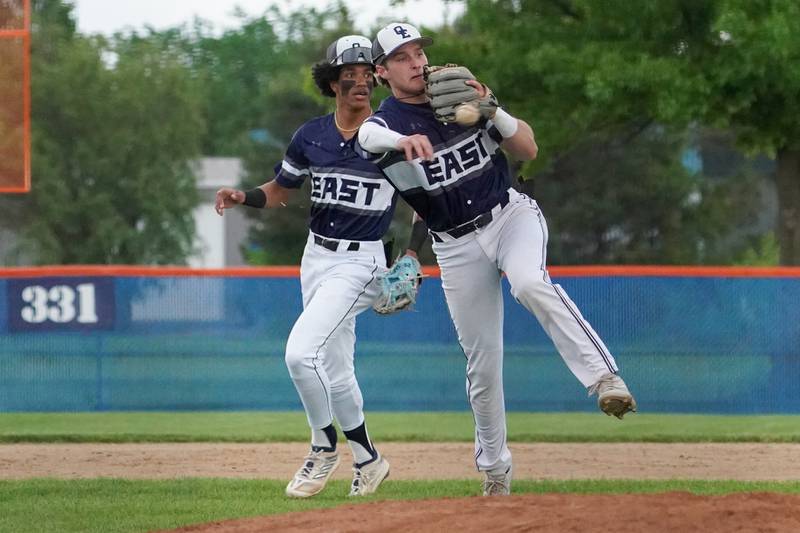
227	198
416	146
478	86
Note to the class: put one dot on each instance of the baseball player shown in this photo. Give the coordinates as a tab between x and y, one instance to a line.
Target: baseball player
351	208
456	178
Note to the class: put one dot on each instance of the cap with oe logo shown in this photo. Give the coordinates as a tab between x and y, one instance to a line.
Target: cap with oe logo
392	37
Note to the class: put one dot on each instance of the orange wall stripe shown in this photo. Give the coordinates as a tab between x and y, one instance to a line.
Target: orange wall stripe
144	271
13	34
433	271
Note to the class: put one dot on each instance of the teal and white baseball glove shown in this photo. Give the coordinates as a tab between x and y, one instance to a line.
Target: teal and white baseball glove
399	286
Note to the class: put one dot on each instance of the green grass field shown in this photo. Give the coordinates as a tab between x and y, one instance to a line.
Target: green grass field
118	505
123	506
397	427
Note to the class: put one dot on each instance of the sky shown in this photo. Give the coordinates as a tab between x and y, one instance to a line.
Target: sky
108	16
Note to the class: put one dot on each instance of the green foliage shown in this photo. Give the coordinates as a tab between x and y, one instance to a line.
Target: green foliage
575	68
115	124
614	94
257	90
623	196
586	73
764	252
253	76
723	62
755	81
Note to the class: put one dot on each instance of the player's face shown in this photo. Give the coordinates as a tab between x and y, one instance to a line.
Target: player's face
355	84
403	70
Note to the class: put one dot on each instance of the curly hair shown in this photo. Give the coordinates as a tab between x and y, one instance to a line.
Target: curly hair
324	73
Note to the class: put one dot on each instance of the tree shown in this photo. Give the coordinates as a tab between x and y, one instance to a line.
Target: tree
115	125
624	196
289	99
753	86
577	67
258	90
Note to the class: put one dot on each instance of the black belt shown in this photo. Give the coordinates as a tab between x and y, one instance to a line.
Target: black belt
333	245
476	223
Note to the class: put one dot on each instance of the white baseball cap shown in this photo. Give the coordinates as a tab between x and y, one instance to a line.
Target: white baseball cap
392	37
349	50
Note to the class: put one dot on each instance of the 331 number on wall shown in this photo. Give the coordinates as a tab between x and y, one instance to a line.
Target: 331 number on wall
61	304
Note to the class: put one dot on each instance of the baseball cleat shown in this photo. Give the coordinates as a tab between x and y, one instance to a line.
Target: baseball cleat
367	478
497	484
613	396
311	478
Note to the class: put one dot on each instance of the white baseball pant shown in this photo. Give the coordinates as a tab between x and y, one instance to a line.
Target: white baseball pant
471	269
337	286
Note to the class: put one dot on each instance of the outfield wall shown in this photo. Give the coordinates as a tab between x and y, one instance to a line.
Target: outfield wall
692	340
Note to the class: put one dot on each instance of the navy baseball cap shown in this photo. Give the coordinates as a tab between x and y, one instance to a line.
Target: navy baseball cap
392	37
349	50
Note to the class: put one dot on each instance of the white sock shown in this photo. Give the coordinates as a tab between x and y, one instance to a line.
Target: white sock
360	454
320	440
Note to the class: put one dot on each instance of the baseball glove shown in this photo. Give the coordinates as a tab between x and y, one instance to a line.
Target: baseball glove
399	286
453	100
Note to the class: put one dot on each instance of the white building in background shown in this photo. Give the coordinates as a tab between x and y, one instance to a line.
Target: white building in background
218	239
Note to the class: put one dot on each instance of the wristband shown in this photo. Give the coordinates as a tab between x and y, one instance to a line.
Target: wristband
255	198
506	124
419	232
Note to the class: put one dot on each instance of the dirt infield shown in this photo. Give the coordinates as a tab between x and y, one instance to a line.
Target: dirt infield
746	462
562	513
676	512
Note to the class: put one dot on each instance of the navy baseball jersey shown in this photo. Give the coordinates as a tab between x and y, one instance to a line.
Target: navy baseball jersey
350	198
468	164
